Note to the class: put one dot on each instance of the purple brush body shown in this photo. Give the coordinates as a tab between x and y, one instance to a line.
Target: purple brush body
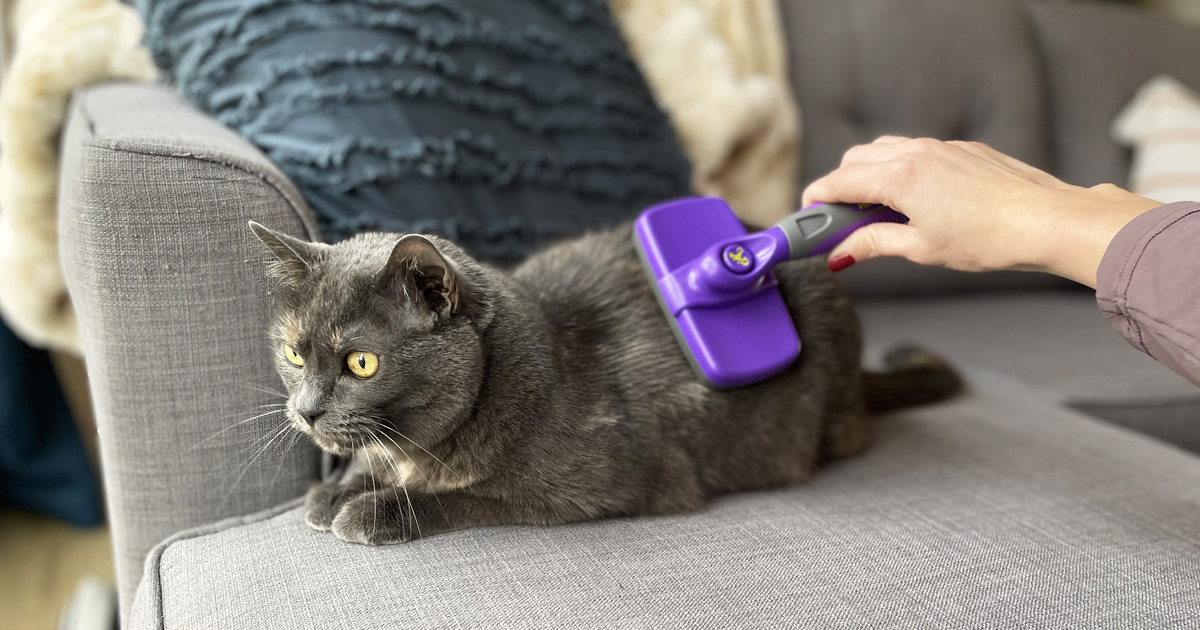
714	280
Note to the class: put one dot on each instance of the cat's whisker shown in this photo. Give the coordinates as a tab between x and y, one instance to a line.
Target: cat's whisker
411	511
259	408
263	449
234	426
403	486
402	480
263	390
435	457
283	424
249	464
283	456
387	455
374	493
263	406
419	472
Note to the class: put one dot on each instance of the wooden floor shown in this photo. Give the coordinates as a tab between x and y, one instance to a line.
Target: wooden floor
41	560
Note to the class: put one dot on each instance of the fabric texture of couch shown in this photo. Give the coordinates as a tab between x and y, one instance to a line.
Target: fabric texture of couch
1089	366
168	279
865	68
1008	507
995	511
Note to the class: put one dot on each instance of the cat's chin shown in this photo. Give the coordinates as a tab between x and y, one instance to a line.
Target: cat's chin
332	447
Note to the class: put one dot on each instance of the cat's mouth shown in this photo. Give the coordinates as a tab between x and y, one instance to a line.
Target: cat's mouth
338	444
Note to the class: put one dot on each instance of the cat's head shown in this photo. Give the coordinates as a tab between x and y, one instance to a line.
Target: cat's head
376	338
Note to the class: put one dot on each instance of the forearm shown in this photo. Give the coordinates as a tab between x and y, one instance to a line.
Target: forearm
974	209
1148	284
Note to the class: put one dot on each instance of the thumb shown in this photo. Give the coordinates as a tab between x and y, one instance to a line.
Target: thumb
874	241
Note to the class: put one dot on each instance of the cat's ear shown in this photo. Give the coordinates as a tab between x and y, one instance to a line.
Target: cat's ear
417	266
294	257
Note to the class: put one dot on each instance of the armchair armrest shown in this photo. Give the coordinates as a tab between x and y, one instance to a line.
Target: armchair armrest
173	307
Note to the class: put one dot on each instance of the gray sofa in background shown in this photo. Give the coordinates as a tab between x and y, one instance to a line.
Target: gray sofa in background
1063	490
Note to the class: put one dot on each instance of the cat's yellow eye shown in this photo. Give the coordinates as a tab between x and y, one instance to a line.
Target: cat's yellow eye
362	364
291	355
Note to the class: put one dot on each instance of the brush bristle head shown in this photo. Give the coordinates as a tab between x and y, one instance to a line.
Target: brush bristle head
744	341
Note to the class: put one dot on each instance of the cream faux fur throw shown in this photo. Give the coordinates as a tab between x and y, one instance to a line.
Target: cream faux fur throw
716	66
719	69
57	46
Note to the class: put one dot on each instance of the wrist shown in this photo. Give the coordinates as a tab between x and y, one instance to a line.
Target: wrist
1087	219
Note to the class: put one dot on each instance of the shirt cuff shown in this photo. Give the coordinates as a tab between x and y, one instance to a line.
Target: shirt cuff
1120	260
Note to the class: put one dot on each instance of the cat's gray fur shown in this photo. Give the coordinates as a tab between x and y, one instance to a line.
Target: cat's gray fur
552	393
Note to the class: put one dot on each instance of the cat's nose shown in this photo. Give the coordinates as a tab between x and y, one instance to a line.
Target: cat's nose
311	415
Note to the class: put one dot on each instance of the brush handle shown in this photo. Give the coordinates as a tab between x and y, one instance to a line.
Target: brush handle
740	266
819	227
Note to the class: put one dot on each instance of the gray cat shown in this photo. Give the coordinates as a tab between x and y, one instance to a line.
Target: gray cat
549	394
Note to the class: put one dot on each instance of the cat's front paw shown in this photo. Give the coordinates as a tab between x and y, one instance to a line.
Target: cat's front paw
374	518
322	503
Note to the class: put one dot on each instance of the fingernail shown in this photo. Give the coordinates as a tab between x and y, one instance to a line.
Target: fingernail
840	262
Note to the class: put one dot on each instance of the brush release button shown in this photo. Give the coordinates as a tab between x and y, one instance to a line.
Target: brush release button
738	259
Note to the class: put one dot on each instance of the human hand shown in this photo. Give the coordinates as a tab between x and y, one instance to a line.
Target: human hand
973	208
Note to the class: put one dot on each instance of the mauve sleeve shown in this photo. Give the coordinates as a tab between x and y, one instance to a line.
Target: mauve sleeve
1148	285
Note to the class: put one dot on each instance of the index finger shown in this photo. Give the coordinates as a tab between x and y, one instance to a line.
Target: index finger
854	183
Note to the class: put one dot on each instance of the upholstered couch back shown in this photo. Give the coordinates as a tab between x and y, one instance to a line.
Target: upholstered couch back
1041	81
949	69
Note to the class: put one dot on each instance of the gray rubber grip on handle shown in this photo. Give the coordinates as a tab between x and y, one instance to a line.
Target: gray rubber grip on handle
819	228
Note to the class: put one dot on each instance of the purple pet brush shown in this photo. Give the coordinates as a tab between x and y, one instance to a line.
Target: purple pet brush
714	280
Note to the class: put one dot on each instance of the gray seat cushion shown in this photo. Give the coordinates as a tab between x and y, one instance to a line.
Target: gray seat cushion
1056	343
995	510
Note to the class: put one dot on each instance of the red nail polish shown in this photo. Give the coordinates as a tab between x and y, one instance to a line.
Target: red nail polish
840	262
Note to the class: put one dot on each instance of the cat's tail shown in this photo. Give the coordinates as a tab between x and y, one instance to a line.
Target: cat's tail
914	377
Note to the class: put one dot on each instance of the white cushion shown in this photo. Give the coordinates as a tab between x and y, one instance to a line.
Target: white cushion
1162	125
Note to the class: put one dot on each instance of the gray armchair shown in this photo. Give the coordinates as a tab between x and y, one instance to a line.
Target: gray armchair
1027	502
168	282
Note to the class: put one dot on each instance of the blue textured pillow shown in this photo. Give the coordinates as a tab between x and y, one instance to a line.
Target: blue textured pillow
500	124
